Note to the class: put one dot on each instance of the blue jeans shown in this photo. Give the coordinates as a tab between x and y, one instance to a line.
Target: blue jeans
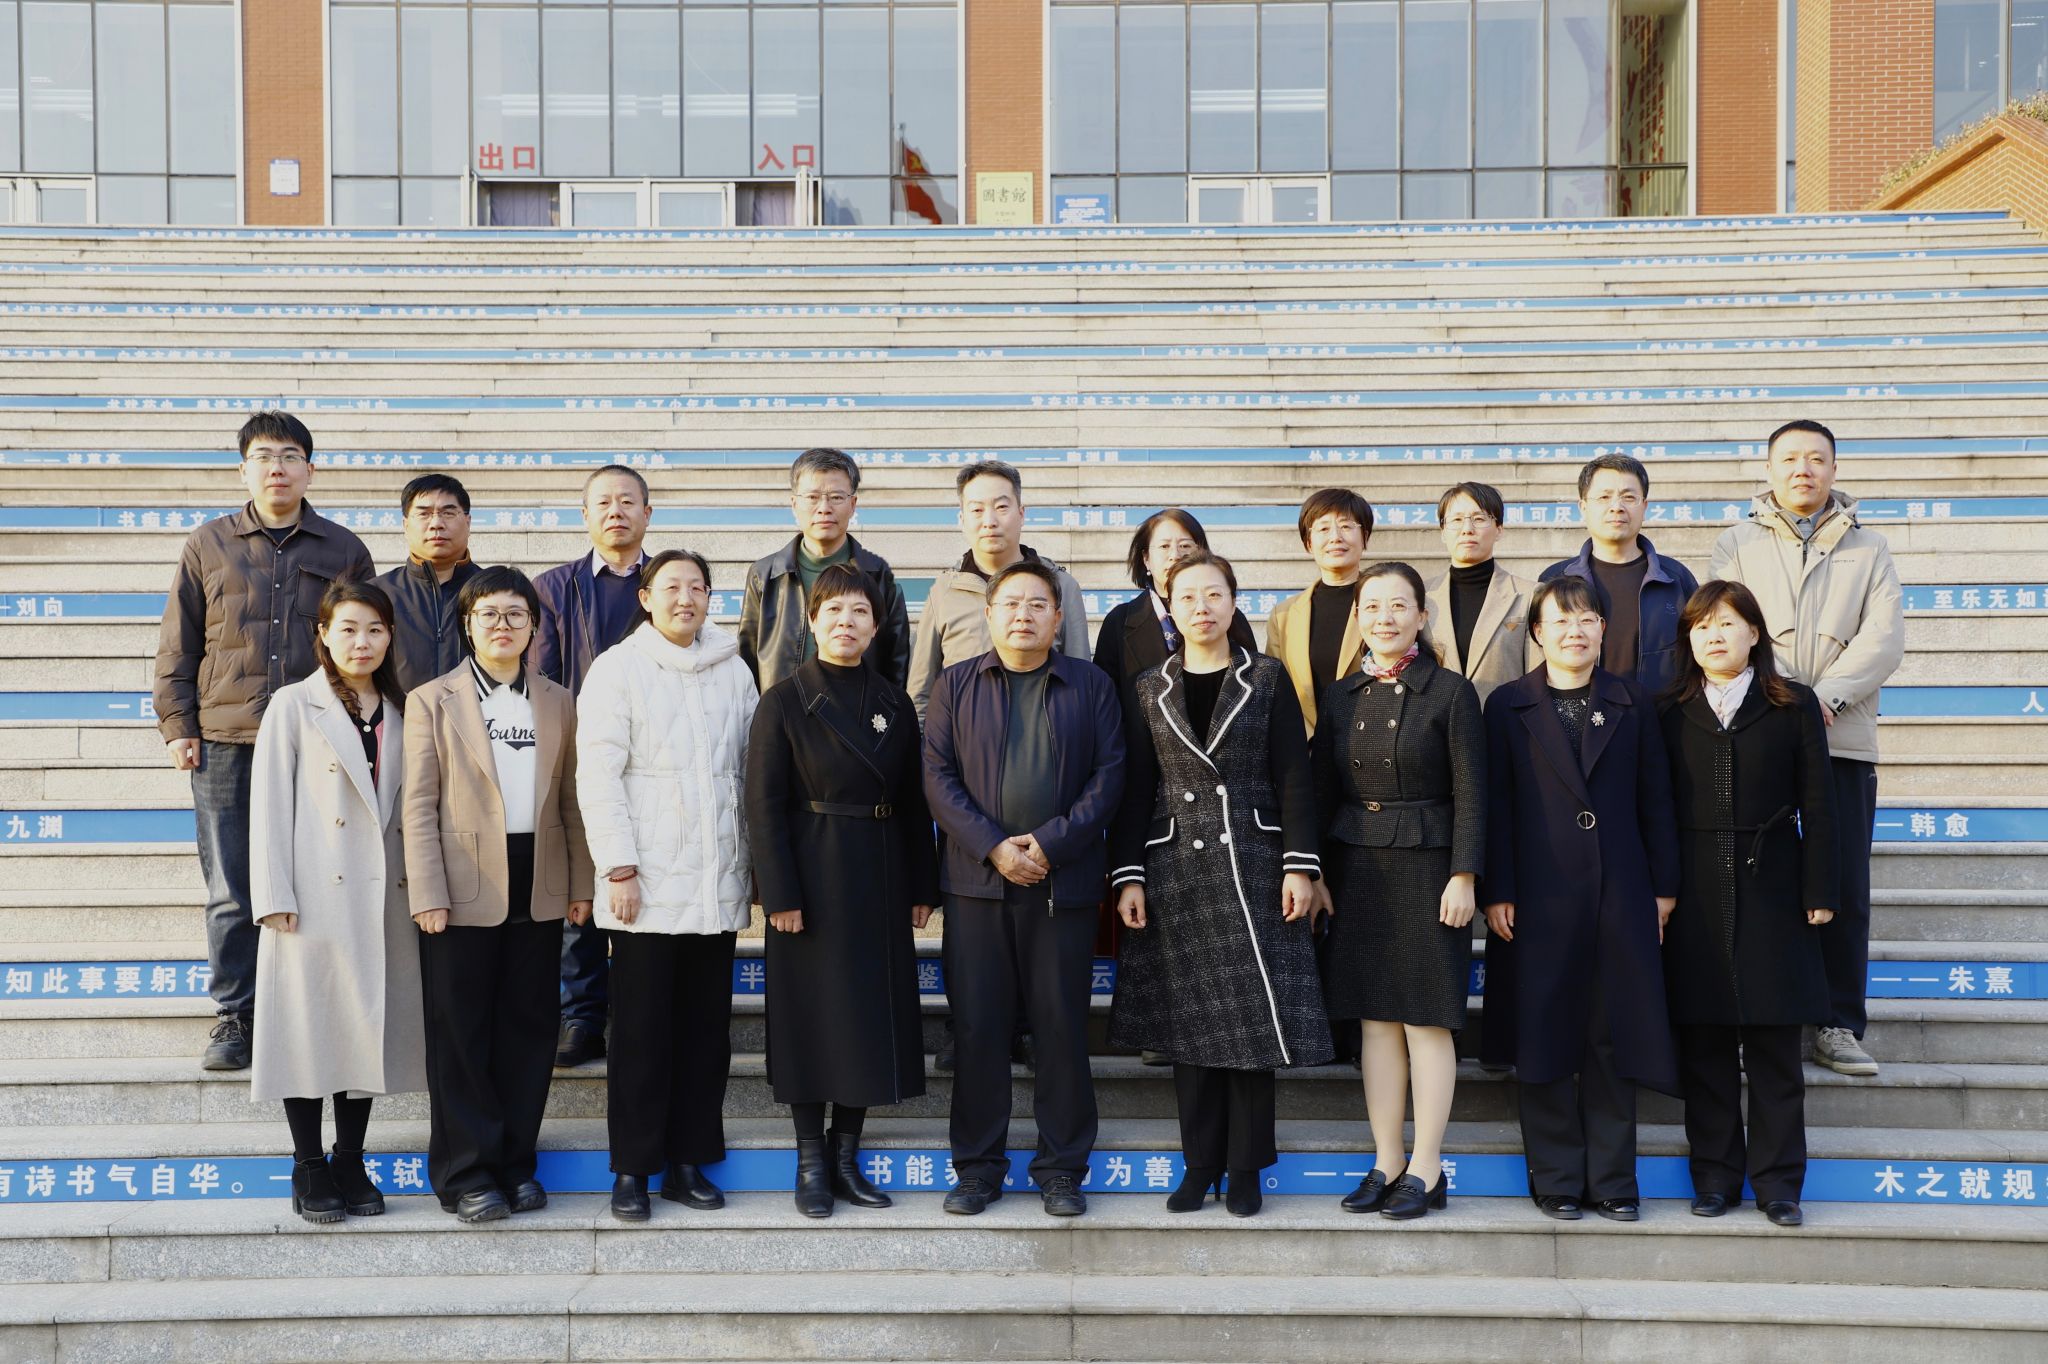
220	804
586	974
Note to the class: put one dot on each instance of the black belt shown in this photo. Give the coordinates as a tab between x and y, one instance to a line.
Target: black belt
1756	846
1378	805
825	807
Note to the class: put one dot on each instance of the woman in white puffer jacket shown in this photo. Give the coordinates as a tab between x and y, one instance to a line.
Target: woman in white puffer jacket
661	752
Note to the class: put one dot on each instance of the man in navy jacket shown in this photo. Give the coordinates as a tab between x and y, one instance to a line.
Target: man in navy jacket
1023	766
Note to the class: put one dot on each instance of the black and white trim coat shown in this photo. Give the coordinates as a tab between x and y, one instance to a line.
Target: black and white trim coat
1209	826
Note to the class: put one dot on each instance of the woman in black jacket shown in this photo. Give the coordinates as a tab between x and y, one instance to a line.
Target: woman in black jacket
1742	957
1140	633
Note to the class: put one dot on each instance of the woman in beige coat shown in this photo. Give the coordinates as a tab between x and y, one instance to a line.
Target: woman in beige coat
337	970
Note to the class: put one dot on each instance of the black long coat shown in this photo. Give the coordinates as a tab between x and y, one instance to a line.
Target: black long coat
843	1013
1583	849
1738	948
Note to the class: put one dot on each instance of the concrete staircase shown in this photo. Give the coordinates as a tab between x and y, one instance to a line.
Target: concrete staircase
1227	372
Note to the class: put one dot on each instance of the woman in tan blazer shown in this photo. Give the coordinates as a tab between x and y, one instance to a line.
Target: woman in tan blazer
1479	625
495	858
1314	633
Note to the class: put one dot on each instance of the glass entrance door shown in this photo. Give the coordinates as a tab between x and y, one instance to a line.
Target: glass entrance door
604	205
1253	201
707	205
67	200
1223	201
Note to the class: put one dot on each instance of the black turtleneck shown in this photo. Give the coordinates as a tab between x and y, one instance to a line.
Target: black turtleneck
848	687
1468	595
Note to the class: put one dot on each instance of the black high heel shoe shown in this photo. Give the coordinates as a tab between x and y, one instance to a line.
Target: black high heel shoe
1242	1198
357	1191
813	1178
842	1160
315	1196
1371	1193
1194	1189
1407	1199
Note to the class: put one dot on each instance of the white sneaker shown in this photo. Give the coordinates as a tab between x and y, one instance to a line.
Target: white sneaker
1839	1051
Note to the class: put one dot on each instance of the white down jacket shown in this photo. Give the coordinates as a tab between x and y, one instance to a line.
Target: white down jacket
661	752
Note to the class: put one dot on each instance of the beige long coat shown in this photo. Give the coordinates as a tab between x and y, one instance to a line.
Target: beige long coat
338	1001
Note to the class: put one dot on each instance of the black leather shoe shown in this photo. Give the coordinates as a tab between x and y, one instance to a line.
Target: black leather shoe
1371	1193
629	1199
1619	1209
686	1184
357	1192
842	1152
228	1048
314	1196
1062	1197
1242	1197
578	1042
1563	1207
528	1196
813	1178
1194	1189
1149	1057
1407	1199
972	1196
1783	1212
1713	1204
943	1061
487	1205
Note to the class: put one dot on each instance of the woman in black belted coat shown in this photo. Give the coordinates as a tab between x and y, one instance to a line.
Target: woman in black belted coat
1742	957
844	859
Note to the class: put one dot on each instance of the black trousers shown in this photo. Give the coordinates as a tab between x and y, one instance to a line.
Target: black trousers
1845	939
1226	1117
671	1049
1006	957
1579	1133
490	1005
1774	1155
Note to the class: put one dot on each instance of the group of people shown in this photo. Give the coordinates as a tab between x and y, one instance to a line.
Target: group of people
460	828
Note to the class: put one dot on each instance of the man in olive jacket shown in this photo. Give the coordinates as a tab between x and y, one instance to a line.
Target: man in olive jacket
239	624
1831	598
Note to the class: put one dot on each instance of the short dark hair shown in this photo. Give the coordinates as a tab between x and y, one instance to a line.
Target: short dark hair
432	483
1484	496
486	582
1801	424
1394	568
1030	568
1570	592
632	473
653	567
998	467
271	424
1141	577
846	579
1323	501
1202	558
1691	679
823	459
1620	464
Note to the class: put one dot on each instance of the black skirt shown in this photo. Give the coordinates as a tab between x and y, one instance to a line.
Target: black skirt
1389	958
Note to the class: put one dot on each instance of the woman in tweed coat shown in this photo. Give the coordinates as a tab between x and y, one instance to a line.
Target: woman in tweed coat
1214	857
1400	762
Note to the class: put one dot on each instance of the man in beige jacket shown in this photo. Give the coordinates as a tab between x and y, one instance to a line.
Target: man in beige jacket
1831	598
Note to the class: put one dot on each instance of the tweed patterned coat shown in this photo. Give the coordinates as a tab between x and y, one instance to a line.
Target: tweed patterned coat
1209	826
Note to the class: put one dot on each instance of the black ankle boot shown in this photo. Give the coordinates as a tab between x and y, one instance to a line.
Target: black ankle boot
686	1184
1242	1196
847	1180
813	1178
314	1196
1194	1189
357	1191
629	1198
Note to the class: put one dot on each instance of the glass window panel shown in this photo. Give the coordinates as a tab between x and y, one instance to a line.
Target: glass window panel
928	89
430	203
1507	85
647	93
2029	47
1227	201
857	102
203	203
10	100
1293	116
1434	83
926	199
715	70
433	104
1083	88
363	50
1151	89
1364	46
1439	196
604	208
1086	187
1579	194
1581	97
130	76
61	203
1222	47
56	61
504	63
1151	199
856	203
1364	198
205	92
1967	45
133	199
365	203
785	91
682	207
576	129
1507	194
1295	203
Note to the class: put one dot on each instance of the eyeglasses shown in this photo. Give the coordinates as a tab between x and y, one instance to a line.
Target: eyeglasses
1469	522
287	460
491	619
836	501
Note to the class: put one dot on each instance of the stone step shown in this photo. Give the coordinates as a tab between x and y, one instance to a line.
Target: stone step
1960	866
1940	921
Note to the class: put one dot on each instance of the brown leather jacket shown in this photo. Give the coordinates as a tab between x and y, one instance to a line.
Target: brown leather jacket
240	620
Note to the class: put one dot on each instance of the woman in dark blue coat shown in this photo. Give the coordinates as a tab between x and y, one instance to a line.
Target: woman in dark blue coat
1581	871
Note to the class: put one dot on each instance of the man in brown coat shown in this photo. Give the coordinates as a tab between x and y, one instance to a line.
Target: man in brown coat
239	624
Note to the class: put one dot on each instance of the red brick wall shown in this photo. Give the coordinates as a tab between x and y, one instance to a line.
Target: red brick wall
283	109
1866	84
1737	106
1005	92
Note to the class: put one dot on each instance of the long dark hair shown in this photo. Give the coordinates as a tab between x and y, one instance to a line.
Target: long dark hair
1691	680
1141	576
385	678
